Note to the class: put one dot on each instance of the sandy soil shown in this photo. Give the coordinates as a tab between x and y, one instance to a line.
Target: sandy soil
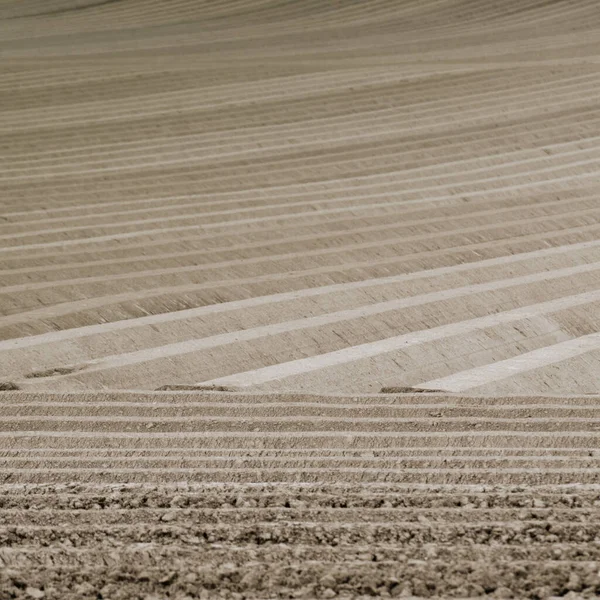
224	494
226	226
300	196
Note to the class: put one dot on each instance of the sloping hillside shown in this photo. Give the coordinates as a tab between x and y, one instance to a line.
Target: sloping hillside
326	196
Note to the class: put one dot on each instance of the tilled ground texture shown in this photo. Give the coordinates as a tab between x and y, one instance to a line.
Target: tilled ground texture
298	496
315	195
299	298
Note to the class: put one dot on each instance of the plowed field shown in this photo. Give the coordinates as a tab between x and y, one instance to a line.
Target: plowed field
299	298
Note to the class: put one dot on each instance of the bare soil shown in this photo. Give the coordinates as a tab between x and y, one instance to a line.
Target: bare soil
299	299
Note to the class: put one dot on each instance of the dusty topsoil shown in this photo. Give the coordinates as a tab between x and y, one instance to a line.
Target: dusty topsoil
96	502
299	299
261	541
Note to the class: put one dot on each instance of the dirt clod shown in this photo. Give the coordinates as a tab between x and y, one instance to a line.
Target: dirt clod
55	371
8	386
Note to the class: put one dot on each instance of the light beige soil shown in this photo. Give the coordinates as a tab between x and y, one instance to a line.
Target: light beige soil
205	494
300	196
226	227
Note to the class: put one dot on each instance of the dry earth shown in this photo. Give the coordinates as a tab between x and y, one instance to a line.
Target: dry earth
227	226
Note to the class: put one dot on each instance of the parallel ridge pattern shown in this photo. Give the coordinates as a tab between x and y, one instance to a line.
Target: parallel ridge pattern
123	494
326	196
296	204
